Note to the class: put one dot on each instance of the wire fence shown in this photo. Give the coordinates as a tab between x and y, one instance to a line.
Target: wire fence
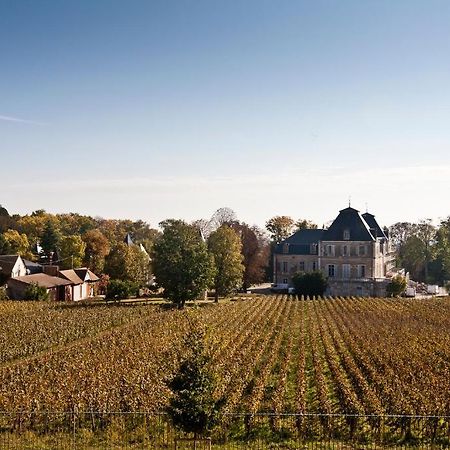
142	430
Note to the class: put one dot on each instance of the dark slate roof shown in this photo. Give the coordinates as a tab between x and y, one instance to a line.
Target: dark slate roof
300	242
7	263
128	240
348	219
32	266
375	229
9	258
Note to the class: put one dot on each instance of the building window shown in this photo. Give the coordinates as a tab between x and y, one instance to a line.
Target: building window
346	235
285	281
345	270
361	271
313	249
330	250
285	248
331	270
345	250
314	266
362	250
285	266
301	266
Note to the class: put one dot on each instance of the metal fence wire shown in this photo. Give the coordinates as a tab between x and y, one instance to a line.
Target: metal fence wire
142	430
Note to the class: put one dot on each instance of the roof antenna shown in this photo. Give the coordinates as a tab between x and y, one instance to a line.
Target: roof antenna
349	201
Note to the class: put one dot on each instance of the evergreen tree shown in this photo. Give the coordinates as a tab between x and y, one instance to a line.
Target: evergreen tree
192	407
50	239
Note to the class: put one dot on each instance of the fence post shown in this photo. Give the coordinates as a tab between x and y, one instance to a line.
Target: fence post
74	425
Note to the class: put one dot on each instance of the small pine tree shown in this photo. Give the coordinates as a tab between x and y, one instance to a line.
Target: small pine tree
192	407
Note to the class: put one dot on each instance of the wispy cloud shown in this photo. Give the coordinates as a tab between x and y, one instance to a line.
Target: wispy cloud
285	181
19	120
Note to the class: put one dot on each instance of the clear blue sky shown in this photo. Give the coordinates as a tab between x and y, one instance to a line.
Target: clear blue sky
158	109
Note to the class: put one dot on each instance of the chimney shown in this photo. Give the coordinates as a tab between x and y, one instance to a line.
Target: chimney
51	270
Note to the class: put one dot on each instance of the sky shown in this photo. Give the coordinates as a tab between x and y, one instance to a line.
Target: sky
172	109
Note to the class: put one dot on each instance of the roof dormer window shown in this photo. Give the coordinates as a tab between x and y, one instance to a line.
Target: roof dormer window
346	235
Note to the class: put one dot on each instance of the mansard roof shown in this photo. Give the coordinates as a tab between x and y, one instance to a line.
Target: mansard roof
300	242
351	221
375	229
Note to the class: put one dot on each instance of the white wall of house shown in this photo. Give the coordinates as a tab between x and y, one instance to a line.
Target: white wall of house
77	292
85	290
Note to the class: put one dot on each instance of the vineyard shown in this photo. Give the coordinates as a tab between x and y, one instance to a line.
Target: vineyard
359	357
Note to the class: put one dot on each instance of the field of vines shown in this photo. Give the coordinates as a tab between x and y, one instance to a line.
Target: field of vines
273	354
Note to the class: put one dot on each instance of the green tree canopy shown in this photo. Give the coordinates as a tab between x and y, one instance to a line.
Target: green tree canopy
226	247
71	251
192	407
15	243
396	287
50	238
309	284
128	264
181	262
35	292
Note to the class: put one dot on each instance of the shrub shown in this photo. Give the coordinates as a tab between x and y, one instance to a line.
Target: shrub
118	289
396	287
309	284
36	292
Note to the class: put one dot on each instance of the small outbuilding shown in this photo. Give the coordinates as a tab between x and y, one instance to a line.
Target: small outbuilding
83	282
58	288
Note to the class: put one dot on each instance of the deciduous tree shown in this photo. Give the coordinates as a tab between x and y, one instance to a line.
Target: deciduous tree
181	262
304	224
225	246
97	248
280	227
256	253
71	251
16	243
127	264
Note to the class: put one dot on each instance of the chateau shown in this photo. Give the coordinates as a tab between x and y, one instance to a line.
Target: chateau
354	253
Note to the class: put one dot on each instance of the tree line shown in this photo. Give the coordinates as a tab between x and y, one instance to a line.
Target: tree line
222	252
423	249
